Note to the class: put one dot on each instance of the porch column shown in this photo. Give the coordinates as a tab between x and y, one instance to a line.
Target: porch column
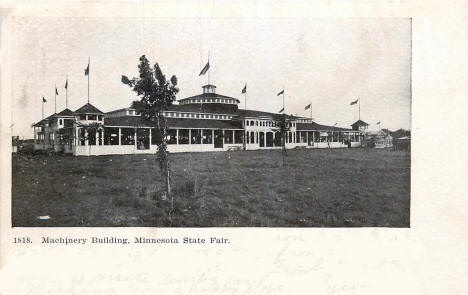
177	136
120	135
190	136
135	139
212	136
97	137
150	132
86	137
233	137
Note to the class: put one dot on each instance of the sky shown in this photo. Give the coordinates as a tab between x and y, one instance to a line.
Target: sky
326	62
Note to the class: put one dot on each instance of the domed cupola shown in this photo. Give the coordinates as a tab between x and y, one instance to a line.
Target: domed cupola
210	100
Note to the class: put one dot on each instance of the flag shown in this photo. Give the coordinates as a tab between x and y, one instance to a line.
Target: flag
282	110
244	90
281	92
56	91
378	123
307	107
354	102
43	99
86	71
66	84
205	69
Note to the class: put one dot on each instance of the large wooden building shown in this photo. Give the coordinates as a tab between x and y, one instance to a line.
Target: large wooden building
205	122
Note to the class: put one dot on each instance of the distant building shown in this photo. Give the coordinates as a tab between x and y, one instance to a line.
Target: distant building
200	123
15	141
379	139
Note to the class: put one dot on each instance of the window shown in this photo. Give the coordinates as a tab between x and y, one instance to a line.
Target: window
252	137
92	117
127	136
100	117
198	115
183	136
111	136
203	116
256	123
82	117
238	136
207	136
195	136
228	137
81	136
60	121
172	136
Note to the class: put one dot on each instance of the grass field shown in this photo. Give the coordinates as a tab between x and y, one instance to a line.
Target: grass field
331	188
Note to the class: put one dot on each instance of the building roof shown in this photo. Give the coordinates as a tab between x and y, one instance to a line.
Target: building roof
359	123
66	112
136	121
88	109
315	126
213	108
210	95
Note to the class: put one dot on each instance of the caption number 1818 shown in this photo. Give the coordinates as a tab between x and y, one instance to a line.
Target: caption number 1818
22	240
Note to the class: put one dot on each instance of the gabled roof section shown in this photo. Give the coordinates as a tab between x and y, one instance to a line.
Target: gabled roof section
359	123
88	109
66	112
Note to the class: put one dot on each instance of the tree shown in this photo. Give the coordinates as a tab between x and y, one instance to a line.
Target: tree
156	95
283	126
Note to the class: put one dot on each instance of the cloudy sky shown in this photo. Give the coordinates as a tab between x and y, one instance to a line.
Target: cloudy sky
328	62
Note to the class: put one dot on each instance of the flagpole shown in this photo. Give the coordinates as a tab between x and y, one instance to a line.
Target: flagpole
208	70
359	100
89	61
55	99
245	97
283	101
42	107
66	95
311	111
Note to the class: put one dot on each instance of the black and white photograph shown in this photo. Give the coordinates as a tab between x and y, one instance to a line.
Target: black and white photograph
211	122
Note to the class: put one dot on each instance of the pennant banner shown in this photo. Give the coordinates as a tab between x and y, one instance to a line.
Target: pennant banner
56	91
43	99
282	110
205	69
66	84
244	90
354	102
281	92
307	106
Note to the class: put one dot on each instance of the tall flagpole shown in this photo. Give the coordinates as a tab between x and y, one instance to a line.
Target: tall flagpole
283	102
55	98
245	97
66	95
209	70
42	107
89	62
311	111
359	100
